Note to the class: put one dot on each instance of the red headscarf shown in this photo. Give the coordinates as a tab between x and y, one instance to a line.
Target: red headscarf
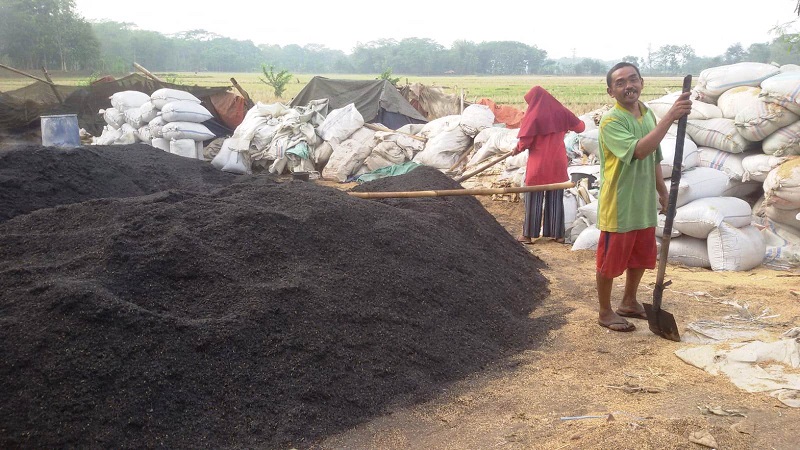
545	115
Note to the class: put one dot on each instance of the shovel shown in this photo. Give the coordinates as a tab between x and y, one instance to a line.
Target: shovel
661	322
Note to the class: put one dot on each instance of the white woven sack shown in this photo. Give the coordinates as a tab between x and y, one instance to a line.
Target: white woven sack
735	249
690	155
700	182
156	125
349	155
662	220
758	121
475	118
730	163
699	217
589	211
148	111
160	143
185	111
713	81
718	133
588	239
440	125
133	117
143	133
322	153
113	117
784	141
222	156
108	136
785	217
163	96
238	163
386	154
590	142
757	166
700	110
493	141
340	123
125	100
742	189
782	185
183	147
736	99
688	251
570	205
186	130
783	89
444	150
127	135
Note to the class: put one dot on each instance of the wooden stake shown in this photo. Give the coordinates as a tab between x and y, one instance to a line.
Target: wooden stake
247	101
52	85
482	168
148	74
25	74
457	192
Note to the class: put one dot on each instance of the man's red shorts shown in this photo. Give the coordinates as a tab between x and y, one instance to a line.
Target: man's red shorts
619	251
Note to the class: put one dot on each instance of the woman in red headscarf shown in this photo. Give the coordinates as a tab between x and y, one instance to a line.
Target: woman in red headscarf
542	131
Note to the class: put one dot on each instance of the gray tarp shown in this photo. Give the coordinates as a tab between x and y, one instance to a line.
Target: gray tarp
378	101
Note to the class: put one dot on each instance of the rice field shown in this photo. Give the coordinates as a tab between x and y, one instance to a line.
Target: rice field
579	94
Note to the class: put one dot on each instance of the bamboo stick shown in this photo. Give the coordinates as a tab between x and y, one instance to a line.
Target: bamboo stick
247	100
483	167
25	74
457	192
461	159
148	74
52	85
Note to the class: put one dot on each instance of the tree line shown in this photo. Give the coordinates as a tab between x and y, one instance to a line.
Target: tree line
50	33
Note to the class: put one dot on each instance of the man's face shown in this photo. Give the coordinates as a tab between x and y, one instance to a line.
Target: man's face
626	85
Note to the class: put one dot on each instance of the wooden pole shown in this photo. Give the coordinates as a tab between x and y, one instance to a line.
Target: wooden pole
52	85
247	100
461	159
482	168
148	74
25	74
456	192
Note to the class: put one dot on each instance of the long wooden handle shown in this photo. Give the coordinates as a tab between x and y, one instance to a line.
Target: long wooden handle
480	169
247	100
148	74
25	74
675	181
453	192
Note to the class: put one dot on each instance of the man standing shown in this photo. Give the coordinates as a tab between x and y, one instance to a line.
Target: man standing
630	183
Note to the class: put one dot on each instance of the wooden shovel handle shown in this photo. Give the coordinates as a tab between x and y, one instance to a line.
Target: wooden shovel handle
453	192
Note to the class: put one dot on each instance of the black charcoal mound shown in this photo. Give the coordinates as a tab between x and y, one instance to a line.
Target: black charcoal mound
245	314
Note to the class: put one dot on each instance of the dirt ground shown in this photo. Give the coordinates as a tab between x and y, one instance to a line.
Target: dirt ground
636	392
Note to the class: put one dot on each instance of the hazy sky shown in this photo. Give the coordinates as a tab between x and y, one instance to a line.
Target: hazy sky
608	29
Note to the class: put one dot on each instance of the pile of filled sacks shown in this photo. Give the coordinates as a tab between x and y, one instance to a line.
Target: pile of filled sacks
340	146
169	119
739	191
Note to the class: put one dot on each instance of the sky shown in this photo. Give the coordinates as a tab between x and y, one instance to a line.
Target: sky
580	28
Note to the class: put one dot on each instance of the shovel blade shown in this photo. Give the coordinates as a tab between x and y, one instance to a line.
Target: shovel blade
662	323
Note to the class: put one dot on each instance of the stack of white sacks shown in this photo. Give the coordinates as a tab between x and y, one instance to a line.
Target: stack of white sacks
739	193
341	146
169	119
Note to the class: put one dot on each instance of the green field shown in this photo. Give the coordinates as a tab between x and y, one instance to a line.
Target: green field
579	94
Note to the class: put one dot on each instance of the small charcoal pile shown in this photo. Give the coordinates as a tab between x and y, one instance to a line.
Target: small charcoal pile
160	306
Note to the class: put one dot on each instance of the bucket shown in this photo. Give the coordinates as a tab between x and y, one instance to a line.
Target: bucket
60	131
301	176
